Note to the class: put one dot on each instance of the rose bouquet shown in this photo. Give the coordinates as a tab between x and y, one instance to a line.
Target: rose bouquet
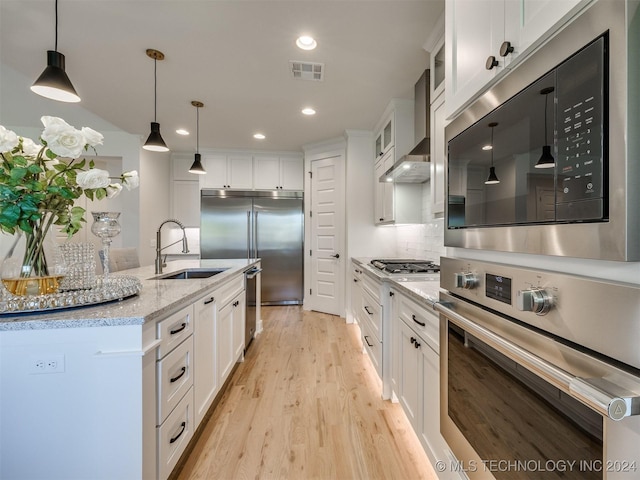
37	190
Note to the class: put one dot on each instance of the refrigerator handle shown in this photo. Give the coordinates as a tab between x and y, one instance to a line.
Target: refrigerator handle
248	234
255	234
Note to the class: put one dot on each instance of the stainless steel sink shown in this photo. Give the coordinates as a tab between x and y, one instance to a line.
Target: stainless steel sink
190	273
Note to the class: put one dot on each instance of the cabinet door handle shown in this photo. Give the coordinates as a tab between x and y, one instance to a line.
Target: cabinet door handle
416	344
382	219
413	317
355	280
178	330
366	309
206	302
491	62
184	426
391	294
413	340
366	339
505	49
183	370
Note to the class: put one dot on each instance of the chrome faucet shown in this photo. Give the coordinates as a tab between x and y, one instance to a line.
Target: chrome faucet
159	248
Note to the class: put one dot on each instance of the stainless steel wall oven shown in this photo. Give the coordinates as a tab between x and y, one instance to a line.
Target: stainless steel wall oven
546	162
540	378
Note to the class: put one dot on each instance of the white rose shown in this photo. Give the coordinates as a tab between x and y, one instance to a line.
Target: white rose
92	137
93	178
114	190
62	139
30	148
131	179
8	140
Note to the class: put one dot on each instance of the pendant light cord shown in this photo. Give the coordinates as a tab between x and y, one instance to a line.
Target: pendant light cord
56	42
197	129
155	89
546	102
492	146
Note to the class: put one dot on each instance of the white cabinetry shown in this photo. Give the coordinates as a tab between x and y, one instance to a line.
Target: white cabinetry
485	37
185	192
205	378
230	315
384	191
278	173
227	171
438	154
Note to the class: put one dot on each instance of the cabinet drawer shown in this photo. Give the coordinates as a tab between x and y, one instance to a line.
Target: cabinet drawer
370	312
372	286
175	377
372	346
228	291
174	329
174	435
421	320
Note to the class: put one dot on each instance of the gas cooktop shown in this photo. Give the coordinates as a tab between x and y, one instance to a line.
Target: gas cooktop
405	266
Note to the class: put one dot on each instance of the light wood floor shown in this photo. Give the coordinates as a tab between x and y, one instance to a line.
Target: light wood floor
306	404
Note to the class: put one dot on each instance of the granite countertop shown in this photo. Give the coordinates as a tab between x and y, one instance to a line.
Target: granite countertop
156	299
424	288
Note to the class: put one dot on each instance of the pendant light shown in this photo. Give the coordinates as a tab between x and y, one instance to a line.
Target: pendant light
546	159
197	167
154	142
492	179
53	82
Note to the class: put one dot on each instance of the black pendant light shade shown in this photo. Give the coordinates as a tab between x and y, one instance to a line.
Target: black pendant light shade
154	142
197	167
53	82
492	179
546	159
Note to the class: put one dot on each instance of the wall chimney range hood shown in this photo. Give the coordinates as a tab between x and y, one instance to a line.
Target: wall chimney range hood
414	167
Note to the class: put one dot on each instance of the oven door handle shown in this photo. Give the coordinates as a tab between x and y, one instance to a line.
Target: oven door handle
593	392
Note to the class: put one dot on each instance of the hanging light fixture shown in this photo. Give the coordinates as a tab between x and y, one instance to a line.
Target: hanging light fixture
492	179
154	142
546	159
53	82
197	167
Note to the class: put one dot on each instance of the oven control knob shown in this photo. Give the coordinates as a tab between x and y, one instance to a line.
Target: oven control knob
466	280
535	300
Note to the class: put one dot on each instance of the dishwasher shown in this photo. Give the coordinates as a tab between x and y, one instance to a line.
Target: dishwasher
251	288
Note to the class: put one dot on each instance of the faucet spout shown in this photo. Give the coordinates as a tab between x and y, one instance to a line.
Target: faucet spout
159	247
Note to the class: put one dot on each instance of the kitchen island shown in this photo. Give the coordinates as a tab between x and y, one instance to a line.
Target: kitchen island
116	390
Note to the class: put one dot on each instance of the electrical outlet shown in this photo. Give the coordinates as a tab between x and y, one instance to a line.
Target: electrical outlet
47	364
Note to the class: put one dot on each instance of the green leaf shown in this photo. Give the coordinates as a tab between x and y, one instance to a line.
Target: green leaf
34	168
50	154
100	193
18	173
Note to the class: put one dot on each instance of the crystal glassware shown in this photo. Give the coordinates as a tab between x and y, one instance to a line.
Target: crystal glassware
105	226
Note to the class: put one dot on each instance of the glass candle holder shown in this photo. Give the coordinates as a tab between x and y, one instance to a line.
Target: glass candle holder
105	226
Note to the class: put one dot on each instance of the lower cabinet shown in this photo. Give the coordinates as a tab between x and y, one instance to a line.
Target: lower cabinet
230	335
205	378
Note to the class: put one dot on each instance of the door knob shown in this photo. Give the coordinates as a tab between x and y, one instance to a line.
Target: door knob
491	62
337	255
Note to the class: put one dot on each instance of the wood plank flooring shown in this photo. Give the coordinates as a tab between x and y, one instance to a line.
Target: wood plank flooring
306	404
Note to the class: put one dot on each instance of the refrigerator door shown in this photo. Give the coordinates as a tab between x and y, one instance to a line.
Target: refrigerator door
225	227
278	229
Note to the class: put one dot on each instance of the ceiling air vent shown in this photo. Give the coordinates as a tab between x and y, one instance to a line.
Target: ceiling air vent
307	70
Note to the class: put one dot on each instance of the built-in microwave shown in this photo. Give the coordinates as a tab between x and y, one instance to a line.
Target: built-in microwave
544	162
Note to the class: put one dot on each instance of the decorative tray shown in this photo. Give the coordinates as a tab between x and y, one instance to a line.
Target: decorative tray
114	287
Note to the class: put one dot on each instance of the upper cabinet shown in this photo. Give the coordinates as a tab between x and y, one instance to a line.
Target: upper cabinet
395	129
272	172
485	38
227	171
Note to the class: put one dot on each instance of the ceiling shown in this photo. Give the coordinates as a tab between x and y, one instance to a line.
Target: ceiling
231	55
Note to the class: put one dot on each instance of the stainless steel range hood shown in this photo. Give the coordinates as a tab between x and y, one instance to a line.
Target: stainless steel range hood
415	166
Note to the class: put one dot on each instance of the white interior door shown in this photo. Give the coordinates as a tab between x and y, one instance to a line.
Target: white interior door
327	253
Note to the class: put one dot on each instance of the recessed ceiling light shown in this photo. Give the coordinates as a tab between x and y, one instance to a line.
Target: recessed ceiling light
259	136
487	147
306	42
308	111
182	131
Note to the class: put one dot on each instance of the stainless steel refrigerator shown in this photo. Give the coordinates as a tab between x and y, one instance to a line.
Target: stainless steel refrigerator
250	224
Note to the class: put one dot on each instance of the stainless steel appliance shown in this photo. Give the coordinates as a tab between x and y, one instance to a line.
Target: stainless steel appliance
265	225
251	313
570	107
539	371
405	266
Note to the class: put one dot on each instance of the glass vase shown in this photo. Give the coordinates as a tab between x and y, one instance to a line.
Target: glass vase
32	265
105	226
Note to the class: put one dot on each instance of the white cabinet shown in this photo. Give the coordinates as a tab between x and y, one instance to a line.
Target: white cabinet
227	171
438	154
356	293
395	129
485	37
206	384
384	191
186	202
385	136
230	301
278	173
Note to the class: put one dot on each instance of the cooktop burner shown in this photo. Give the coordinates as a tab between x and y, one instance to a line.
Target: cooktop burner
405	266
